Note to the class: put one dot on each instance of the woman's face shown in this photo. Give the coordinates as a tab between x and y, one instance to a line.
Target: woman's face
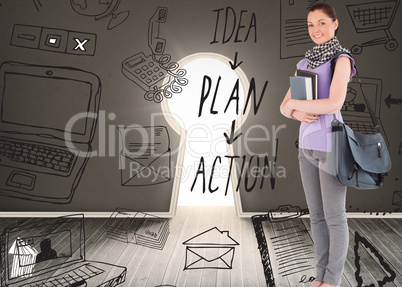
321	28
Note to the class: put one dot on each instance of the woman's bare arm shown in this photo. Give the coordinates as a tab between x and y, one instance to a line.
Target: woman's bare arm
336	98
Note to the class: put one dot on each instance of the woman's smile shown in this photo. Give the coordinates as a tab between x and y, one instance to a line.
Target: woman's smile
321	28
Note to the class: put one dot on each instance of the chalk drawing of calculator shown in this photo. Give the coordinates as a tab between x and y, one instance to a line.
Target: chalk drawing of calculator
143	71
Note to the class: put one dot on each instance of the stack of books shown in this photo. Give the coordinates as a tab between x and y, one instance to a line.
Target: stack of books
304	86
138	228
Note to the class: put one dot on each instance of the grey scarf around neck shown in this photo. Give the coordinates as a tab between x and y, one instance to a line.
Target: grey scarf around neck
324	52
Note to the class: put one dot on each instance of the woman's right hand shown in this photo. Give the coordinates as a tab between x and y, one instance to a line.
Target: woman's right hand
305	118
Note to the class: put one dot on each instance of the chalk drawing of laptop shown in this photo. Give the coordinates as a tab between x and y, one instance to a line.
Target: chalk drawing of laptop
41	159
355	112
51	252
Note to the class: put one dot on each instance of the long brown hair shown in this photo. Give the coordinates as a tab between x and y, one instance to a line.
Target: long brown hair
328	9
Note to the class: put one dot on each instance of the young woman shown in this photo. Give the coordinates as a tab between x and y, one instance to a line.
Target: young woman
325	198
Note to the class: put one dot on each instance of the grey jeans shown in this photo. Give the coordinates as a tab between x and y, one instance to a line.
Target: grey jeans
326	201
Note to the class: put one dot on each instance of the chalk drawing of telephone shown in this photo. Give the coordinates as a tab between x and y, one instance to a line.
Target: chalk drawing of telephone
143	71
155	42
148	72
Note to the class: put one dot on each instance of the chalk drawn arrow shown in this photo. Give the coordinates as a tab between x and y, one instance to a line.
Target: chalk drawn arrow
232	138
392	101
235	64
383	266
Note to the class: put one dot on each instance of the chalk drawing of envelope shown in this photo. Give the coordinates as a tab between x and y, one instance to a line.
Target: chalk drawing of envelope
145	157
397	198
209	258
211	249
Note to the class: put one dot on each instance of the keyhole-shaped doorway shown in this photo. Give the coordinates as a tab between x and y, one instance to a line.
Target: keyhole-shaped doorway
206	108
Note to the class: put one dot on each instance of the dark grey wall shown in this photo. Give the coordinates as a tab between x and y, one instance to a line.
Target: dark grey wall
269	45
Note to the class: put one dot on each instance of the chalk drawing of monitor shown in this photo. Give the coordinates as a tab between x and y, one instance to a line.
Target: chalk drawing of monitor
48	118
51	252
355	112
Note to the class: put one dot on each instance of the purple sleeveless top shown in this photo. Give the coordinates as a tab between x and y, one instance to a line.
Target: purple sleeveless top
317	135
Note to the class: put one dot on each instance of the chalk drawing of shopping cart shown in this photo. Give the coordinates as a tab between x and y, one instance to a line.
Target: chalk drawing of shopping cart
374	16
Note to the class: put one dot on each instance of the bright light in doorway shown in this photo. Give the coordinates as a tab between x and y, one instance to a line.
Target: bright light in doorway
212	79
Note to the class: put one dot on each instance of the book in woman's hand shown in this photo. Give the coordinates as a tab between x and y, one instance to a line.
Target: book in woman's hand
314	78
304	86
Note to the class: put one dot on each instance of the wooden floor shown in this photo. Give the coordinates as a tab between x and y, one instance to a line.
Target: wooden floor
374	256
